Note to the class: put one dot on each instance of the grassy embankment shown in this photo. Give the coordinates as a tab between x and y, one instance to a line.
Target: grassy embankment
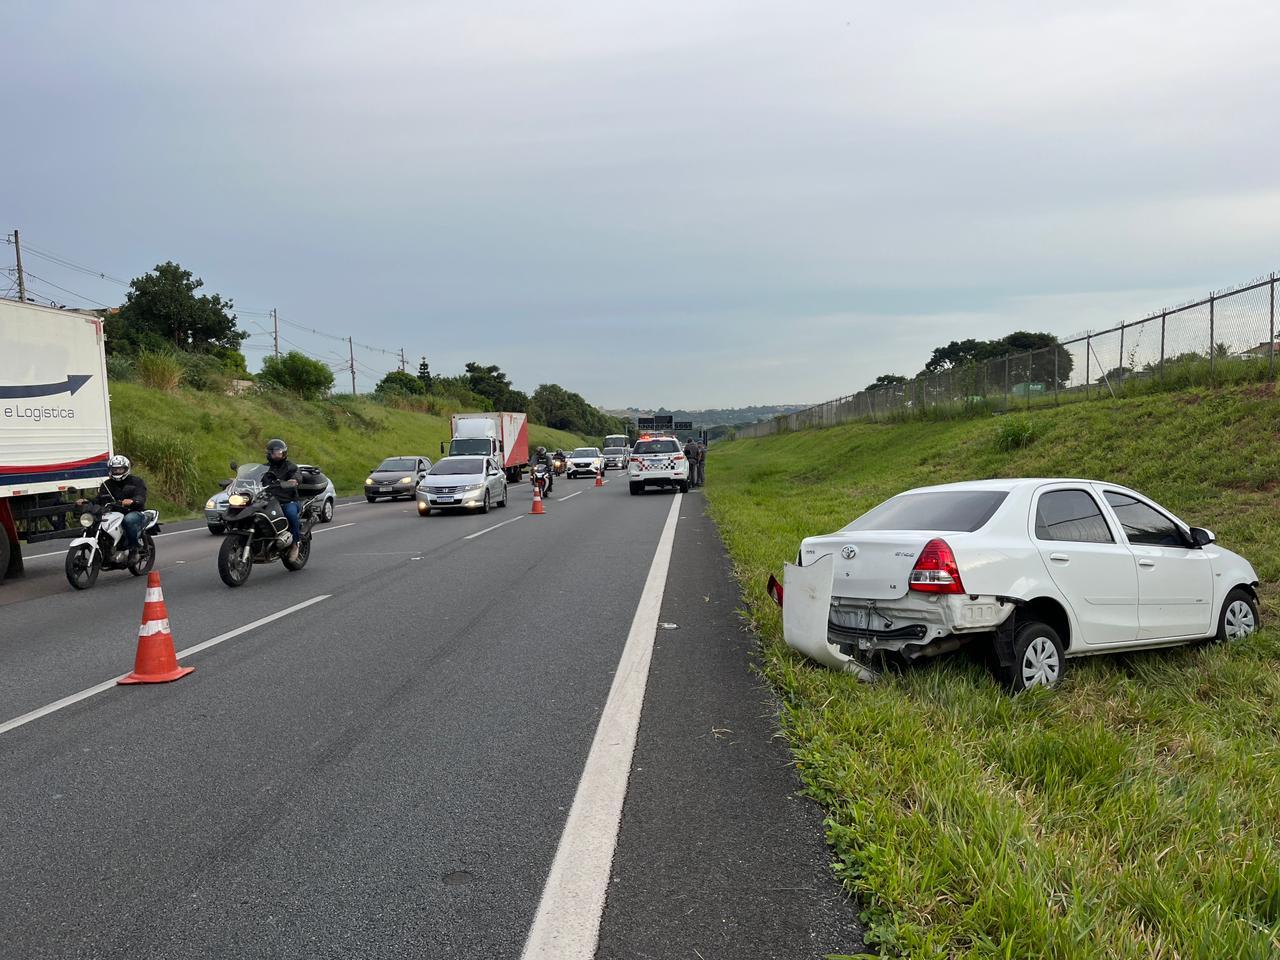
182	440
1135	812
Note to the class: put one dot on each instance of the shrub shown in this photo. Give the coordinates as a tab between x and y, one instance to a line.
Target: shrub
205	372
297	373
159	369
1014	433
119	367
166	462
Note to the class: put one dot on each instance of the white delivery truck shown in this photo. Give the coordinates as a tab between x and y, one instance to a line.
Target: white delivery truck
501	435
55	421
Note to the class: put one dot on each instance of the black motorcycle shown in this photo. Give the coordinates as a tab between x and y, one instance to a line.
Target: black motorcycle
258	530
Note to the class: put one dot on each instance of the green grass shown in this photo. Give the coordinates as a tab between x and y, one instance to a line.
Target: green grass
1132	813
181	441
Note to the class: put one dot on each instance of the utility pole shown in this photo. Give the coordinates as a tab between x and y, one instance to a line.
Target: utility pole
22	281
403	365
351	352
275	328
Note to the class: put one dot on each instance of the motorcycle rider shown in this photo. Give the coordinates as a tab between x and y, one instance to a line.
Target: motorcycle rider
282	473
560	455
127	494
541	456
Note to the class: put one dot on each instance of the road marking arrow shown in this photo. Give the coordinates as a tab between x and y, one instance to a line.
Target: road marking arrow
73	383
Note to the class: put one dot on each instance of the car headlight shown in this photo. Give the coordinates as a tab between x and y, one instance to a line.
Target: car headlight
237	500
368	481
405	480
210	505
470	487
86	520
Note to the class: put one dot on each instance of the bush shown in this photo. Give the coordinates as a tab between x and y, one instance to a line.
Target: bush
159	369
1014	433
205	372
119	367
167	463
298	374
399	383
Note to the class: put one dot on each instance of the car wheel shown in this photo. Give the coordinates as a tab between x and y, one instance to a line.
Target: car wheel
1038	658
637	489
484	507
369	498
326	513
1239	616
506	495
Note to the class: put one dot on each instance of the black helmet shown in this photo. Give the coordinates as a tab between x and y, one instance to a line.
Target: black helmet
277	450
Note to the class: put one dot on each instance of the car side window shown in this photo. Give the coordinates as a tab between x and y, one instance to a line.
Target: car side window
1143	523
1071	515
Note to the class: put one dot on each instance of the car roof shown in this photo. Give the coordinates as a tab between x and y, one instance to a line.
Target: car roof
1008	484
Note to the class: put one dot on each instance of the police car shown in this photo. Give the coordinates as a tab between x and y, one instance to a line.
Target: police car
657	462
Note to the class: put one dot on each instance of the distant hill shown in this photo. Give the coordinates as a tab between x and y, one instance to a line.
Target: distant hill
714	417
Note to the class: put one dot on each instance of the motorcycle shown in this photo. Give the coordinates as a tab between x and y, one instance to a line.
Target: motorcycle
102	545
558	465
258	530
540	476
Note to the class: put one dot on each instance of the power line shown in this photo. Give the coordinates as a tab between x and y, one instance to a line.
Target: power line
50	283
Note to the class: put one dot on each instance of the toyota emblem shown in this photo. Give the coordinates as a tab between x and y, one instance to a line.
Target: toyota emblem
849	552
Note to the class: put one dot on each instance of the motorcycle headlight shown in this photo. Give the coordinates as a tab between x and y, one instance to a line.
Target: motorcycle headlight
86	520
237	500
210	505
405	480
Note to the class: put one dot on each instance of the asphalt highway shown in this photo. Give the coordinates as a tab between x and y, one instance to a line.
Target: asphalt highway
384	762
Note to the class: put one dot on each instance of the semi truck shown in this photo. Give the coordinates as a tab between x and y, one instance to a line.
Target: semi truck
504	436
55	422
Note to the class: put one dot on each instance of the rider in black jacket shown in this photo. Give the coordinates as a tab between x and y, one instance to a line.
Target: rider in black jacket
282	474
125	493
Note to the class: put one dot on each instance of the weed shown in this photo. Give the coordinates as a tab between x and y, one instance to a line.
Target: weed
1014	433
159	369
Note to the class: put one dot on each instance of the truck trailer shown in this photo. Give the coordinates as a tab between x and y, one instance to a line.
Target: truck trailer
55	422
504	436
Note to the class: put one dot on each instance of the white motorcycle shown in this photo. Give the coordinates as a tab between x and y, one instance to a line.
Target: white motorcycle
103	545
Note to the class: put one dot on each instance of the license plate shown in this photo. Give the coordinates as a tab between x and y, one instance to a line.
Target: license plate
384	489
444	499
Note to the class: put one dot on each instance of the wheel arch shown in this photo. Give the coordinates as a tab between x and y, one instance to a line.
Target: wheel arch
1051	612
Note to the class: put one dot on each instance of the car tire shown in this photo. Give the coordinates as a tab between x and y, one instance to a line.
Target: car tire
683	486
636	489
484	507
326	512
1238	617
1038	658
506	496
369	498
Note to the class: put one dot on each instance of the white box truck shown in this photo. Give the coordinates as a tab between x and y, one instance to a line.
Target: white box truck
501	435
55	421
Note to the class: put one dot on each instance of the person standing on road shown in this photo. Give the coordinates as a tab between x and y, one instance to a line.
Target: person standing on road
691	454
127	494
282	473
702	461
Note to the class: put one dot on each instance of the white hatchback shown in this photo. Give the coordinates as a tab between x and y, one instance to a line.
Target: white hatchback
1042	569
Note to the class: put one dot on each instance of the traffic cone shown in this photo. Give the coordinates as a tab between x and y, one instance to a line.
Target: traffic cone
537	500
156	661
599	479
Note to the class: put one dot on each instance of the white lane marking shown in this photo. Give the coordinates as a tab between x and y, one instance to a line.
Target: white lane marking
109	684
338	527
63	553
481	533
567	924
570	496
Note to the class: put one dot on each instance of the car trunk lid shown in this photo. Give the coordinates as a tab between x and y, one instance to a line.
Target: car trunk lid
871	564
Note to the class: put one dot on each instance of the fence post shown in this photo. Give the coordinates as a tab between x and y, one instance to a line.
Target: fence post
1088	375
1055	349
1163	315
1212	351
1120	365
1271	336
1029	379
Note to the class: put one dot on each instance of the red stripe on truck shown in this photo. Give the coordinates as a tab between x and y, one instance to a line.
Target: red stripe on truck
50	467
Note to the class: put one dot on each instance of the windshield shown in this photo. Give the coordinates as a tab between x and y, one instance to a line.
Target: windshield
455	468
615	451
248	478
586	452
656	446
615	440
397	464
471	446
961	511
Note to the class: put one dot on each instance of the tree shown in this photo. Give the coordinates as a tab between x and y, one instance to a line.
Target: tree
397	381
424	376
886	380
162	310
1031	359
297	373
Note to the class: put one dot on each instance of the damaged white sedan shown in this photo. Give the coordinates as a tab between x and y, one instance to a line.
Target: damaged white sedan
1041	570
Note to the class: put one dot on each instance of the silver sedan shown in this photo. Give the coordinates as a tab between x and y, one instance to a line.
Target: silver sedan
462	483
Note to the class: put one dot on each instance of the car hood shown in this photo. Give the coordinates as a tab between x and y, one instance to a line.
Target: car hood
453	480
390	476
220	498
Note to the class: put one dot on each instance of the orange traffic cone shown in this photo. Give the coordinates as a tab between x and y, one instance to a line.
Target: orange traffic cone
537	500
156	661
599	479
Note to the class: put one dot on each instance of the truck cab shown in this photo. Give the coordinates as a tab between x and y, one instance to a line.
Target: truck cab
475	438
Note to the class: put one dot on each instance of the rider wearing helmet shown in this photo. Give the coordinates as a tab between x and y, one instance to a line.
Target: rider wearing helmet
282	473
541	456
126	493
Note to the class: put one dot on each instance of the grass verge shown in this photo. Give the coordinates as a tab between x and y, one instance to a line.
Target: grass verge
181	440
1133	813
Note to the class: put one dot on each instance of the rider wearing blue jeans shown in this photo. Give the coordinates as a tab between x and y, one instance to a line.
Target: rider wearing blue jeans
125	493
282	473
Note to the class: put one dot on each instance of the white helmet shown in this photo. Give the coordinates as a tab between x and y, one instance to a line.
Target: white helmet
118	467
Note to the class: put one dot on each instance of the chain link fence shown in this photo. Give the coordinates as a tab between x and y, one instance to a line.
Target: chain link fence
1227	337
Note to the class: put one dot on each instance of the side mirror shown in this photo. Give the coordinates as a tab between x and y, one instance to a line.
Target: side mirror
234	465
1201	537
224	484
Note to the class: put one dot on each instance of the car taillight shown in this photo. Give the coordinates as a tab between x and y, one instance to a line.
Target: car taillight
936	570
678	456
635	460
774	589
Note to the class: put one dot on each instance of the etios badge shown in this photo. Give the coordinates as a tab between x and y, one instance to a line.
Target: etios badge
849	552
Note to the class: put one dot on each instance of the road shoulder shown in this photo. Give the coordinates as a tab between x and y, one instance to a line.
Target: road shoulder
717	856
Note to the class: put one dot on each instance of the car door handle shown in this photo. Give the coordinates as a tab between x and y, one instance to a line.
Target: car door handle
1146	563
1060	557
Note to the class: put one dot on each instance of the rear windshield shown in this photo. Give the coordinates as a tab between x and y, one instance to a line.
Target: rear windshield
399	463
656	446
453	468
961	511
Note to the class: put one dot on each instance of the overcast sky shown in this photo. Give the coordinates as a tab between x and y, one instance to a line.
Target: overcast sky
685	204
